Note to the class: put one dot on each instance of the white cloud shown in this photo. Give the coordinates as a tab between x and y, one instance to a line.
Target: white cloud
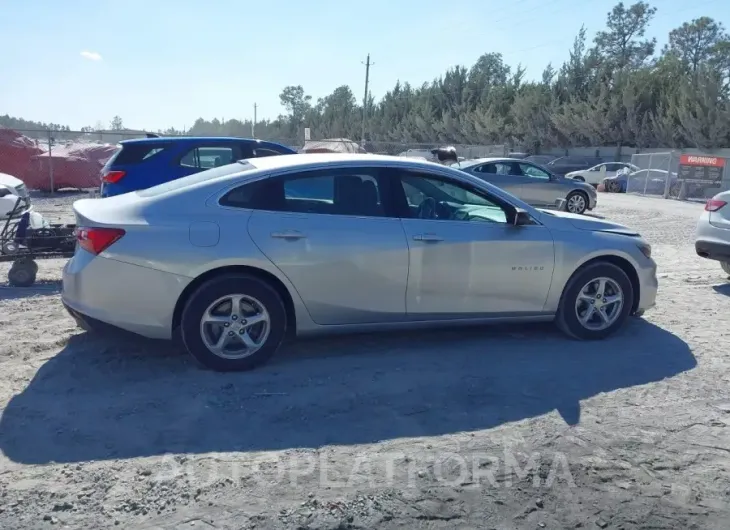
91	56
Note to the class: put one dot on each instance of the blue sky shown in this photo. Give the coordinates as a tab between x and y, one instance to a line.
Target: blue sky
160	63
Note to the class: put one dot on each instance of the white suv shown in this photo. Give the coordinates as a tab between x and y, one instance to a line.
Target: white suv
713	231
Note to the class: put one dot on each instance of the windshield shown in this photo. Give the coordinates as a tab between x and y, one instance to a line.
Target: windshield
242	166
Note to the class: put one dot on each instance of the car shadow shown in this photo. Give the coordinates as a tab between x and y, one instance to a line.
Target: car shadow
722	289
128	397
39	288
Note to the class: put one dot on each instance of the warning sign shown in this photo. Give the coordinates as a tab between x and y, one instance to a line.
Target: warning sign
701	169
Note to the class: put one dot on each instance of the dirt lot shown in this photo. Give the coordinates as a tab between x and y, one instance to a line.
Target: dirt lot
491	428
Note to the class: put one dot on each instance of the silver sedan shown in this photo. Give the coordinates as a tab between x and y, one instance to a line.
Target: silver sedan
235	258
532	183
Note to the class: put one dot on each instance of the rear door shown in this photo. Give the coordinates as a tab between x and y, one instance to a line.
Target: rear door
332	234
538	188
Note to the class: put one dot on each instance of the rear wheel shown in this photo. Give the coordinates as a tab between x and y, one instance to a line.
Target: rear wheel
577	202
596	302
233	322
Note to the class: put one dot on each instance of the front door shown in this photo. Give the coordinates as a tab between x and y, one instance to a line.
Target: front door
466	259
503	175
538	189
328	232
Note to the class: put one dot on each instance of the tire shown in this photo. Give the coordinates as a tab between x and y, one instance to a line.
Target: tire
23	273
575	197
567	317
258	297
725	267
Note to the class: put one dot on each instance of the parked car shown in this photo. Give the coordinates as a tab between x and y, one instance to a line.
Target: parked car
145	162
712	239
597	174
379	242
11	190
532	183
652	181
566	164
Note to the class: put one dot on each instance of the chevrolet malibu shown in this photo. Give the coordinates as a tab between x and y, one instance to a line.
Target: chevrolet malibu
234	259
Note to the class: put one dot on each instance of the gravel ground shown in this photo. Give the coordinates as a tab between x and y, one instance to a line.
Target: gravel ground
505	428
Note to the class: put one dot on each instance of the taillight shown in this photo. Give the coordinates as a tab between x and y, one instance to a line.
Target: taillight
96	240
113	176
713	205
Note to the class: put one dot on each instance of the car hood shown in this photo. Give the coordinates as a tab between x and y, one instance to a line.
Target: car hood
586	222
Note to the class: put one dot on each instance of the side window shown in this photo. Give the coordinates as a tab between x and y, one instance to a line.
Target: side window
320	192
446	200
355	193
498	168
311	189
262	151
208	157
534	172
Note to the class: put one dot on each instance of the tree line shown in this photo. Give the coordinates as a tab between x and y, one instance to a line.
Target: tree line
617	90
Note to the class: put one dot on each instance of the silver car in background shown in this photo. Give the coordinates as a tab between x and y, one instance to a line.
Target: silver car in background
712	236
235	258
532	183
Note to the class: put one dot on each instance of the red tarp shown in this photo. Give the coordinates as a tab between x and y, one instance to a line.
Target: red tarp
16	153
75	165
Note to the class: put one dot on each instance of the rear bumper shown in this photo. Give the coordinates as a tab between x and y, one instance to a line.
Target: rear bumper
130	297
713	250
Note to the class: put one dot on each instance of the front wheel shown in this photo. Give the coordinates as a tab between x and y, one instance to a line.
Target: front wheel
233	322
577	202
725	266
595	302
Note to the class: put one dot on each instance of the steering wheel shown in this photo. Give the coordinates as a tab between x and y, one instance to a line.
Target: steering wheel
427	209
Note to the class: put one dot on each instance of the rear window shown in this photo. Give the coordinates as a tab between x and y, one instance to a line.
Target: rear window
241	166
135	153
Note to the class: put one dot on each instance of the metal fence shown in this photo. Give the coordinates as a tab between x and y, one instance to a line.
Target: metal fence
662	175
50	160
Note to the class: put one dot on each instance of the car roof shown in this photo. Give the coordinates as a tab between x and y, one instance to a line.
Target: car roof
304	160
196	139
264	167
475	161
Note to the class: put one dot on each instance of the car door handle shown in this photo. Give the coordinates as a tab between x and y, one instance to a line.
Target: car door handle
428	237
288	234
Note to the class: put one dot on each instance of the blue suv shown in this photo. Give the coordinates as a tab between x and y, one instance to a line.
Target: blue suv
145	162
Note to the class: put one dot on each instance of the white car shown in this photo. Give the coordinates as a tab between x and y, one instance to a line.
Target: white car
11	189
596	174
712	240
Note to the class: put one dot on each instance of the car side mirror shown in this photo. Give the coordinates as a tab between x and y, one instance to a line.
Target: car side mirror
4	192
521	218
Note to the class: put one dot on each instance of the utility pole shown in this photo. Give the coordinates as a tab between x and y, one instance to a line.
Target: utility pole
367	64
253	124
